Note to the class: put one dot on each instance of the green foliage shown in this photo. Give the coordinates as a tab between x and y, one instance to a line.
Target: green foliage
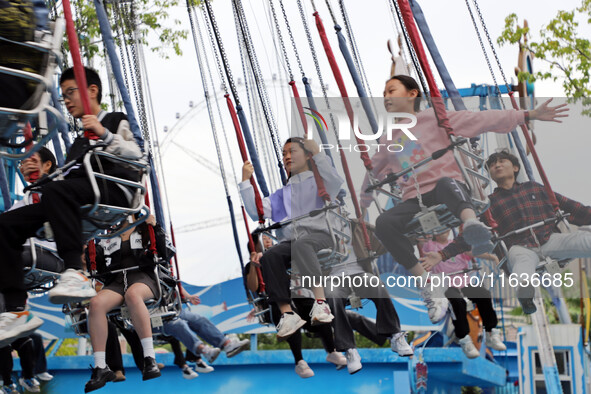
567	54
145	17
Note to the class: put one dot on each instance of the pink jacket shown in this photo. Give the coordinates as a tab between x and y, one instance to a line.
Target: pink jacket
455	264
430	138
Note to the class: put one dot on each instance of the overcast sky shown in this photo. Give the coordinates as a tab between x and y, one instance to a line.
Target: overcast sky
196	194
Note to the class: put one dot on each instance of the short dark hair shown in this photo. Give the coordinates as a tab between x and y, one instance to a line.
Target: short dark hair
46	155
410	84
503	155
92	78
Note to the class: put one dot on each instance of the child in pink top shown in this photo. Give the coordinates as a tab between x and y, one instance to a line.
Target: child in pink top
440	181
462	288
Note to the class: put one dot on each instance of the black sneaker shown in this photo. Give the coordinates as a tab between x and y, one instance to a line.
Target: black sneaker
100	377
151	370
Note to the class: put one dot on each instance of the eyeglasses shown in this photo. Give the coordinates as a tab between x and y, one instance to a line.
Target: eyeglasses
68	94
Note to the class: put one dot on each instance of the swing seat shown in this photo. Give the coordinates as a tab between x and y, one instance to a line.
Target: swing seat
552	266
40	278
102	220
37	111
166	306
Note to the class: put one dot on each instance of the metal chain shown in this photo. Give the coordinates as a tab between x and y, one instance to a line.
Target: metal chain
418	189
403	50
293	44
281	43
221	75
354	49
334	19
207	99
249	99
215	50
263	95
136	68
218	39
317	66
492	47
413	54
121	34
488	63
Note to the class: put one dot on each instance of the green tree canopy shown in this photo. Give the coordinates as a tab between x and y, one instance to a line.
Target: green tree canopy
561	46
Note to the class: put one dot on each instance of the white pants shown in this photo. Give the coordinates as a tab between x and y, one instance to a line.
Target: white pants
524	260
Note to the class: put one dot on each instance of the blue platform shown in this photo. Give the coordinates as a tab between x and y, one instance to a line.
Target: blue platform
273	371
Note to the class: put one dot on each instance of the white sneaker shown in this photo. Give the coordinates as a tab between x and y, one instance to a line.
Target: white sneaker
353	361
494	341
399	345
288	325
468	347
210	353
236	346
202	367
320	313
436	304
31	385
188	373
303	370
9	389
337	359
72	286
44	376
14	325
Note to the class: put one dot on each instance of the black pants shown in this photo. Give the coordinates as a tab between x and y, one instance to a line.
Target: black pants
303	306
478	295
179	358
278	259
113	355
60	206
26	354
387	321
391	225
39	351
366	327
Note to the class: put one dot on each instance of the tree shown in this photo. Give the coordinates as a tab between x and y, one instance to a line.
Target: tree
562	48
144	16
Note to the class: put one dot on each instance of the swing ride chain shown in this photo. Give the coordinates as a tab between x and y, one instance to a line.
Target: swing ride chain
122	38
262	91
411	49
281	43
215	50
207	100
293	44
492	73
218	39
221	75
333	17
317	65
355	49
139	93
249	99
492	47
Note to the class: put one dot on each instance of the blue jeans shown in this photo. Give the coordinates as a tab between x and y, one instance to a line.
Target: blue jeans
179	329
204	328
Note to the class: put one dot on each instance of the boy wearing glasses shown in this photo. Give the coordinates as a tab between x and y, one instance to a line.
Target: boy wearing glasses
60	206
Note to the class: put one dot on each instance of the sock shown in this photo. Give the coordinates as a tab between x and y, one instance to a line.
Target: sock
288	313
320	301
148	346
99	360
